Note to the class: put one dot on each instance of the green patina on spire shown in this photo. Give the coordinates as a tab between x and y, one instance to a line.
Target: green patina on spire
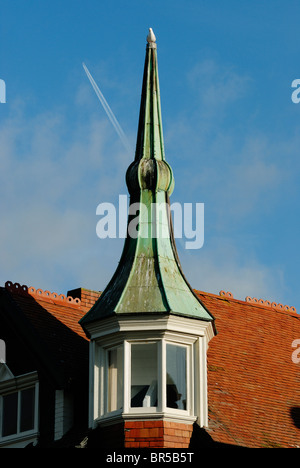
149	278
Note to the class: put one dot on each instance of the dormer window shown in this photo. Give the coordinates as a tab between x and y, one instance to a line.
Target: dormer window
18	408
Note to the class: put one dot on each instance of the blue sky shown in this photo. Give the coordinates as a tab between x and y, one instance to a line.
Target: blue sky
231	130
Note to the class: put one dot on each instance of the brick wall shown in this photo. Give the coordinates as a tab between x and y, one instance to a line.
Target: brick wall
141	434
87	297
164	434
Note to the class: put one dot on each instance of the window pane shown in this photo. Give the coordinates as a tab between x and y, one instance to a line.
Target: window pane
27	409
176	377
115	379
144	375
10	414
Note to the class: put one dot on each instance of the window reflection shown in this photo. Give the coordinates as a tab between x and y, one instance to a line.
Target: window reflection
27	409
176	376
144	375
18	412
10	414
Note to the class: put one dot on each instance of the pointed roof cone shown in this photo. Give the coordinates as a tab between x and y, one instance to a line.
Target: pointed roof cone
149	278
150	142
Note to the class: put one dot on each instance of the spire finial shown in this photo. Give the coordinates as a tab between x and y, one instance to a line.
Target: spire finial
151	39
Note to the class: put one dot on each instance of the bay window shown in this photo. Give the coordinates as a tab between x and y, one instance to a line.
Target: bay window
143	377
149	367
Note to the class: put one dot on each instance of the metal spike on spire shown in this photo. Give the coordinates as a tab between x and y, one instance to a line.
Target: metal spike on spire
151	39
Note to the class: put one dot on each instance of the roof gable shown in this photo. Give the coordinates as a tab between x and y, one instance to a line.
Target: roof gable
5	373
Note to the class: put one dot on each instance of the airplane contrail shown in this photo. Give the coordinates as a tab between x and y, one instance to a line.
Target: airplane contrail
108	111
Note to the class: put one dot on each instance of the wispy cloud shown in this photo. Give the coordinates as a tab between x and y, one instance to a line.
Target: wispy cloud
241	175
52	179
216	85
108	111
54	173
226	266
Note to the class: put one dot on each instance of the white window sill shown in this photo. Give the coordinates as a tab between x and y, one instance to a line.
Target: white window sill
19	439
179	416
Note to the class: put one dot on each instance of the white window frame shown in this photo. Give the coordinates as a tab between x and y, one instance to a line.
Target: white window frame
127	377
99	382
161	407
107	390
189	378
17	385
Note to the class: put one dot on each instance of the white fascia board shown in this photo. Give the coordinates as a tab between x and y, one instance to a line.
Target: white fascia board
154	325
19	382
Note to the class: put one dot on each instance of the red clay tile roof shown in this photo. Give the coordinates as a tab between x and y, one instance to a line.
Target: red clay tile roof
67	309
54	319
253	383
64	309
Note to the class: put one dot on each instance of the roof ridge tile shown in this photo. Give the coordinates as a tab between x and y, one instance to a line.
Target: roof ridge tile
274	305
46	295
252	301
